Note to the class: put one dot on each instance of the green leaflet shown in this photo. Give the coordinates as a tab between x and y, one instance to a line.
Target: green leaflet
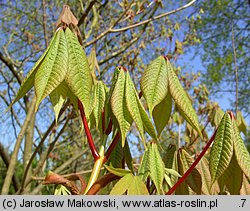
216	116
181	99
241	153
222	149
119	108
100	97
232	178
78	78
205	175
143	171
58	97
194	179
154	83
241	123
136	109
130	183
61	190
116	156
53	68
162	113
28	82
156	166
128	157
117	171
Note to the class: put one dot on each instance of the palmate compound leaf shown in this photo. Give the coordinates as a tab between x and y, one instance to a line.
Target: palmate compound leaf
131	184
222	149
53	69
241	153
118	106
154	83
78	77
162	113
136	109
28	82
181	99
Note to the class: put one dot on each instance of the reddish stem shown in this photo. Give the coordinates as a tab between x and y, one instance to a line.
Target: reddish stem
111	147
92	146
109	128
178	183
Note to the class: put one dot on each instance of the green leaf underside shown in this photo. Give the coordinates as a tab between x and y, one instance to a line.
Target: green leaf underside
53	68
241	153
119	108
154	83
156	167
205	175
100	97
182	100
116	156
222	149
232	177
58	97
117	171
78	78
143	171
136	109
194	180
162	113
128	157
130	183
28	82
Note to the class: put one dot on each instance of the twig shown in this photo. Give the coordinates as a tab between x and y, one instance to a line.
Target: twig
44	23
152	19
236	73
85	14
108	30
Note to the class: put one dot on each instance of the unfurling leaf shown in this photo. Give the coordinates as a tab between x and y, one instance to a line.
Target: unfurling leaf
181	99
154	83
156	166
144	171
53	69
118	106
232	178
241	153
222	149
136	109
162	113
28	82
241	123
99	101
117	171
131	184
126	106
58	97
194	179
78	78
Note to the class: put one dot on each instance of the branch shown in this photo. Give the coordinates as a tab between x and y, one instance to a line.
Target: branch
111	26
152	19
6	159
44	24
11	66
13	160
85	14
236	73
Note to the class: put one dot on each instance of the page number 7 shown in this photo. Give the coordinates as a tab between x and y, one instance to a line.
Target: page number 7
242	202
